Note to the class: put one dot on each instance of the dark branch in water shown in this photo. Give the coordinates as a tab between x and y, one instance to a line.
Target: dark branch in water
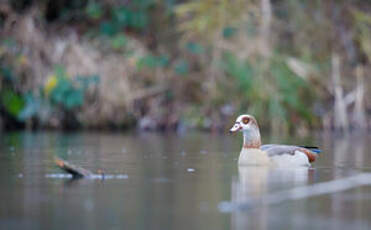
77	172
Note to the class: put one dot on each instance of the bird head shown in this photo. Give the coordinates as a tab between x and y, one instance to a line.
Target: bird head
244	122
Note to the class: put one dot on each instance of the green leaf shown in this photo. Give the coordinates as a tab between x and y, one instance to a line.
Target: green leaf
86	81
119	41
12	102
148	61
181	67
242	72
94	10
6	73
195	48
31	108
163	60
60	71
74	98
139	20
229	32
9	42
108	28
122	16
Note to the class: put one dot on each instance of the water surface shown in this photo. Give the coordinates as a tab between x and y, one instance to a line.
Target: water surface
173	182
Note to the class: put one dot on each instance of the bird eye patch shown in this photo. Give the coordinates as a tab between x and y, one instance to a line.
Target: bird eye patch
245	120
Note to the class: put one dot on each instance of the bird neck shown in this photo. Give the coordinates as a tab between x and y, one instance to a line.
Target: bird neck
251	139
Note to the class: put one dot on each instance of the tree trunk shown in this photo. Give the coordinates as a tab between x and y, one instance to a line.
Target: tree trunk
341	121
359	115
266	11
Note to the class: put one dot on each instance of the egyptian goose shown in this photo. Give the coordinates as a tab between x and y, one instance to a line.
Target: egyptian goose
253	153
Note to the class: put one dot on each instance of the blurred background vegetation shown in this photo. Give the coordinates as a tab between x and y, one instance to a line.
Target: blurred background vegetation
167	65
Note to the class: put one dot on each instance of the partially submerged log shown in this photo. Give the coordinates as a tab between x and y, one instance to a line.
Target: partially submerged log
75	171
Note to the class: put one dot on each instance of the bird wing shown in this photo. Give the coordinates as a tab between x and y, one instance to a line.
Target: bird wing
275	149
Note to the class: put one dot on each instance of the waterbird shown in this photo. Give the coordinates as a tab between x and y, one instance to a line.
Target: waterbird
254	153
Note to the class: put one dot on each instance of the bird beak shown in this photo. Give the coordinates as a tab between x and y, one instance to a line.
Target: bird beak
235	128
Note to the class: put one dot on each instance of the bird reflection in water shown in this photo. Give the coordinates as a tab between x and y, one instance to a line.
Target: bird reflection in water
251	188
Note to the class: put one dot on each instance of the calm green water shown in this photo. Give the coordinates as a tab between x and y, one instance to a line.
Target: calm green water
173	182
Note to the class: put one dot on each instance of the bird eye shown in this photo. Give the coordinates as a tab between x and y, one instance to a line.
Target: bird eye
245	120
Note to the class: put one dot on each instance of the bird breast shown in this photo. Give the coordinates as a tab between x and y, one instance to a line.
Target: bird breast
254	157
